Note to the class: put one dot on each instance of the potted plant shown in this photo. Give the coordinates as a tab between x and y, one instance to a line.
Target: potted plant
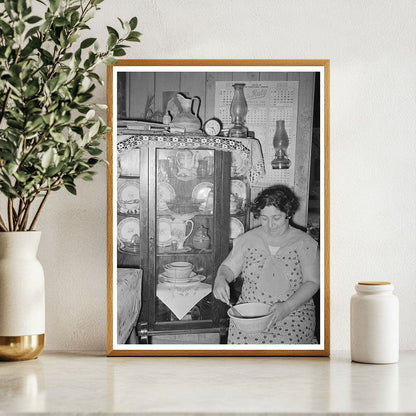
50	136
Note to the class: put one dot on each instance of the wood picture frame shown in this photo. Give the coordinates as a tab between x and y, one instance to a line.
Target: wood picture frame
156	161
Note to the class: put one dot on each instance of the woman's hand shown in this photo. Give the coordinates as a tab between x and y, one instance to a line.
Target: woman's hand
222	290
280	311
222	286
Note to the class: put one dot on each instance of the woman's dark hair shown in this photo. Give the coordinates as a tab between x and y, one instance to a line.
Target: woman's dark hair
279	196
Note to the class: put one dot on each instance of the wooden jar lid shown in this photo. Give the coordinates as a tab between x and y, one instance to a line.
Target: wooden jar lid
374	283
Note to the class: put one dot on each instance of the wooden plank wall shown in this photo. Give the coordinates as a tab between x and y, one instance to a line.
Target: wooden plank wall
143	88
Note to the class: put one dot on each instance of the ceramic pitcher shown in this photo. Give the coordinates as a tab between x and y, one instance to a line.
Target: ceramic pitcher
178	230
186	119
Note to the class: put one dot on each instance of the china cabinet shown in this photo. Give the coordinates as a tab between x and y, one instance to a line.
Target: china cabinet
181	199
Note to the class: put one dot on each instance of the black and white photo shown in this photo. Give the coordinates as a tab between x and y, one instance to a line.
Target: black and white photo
218	212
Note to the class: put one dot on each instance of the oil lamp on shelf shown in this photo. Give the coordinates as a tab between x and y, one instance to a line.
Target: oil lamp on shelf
238	112
280	144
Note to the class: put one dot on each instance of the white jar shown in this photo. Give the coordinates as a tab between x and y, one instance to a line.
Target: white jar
374	323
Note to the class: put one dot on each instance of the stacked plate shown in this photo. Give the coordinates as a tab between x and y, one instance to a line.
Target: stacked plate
179	273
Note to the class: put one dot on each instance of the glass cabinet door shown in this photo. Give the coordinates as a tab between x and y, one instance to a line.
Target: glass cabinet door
185	236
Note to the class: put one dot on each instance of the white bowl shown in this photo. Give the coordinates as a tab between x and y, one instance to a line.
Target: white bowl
256	317
178	272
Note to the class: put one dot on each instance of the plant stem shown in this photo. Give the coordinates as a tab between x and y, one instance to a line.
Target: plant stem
21	212
26	216
39	209
2	224
10	214
18	216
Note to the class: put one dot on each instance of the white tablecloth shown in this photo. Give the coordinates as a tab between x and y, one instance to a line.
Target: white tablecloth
181	299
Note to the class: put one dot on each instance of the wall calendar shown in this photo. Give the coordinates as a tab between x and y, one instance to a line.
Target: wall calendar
268	101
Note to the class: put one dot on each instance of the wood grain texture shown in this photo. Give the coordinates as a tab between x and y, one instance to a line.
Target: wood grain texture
141	88
194	84
165	81
211	79
110	213
304	143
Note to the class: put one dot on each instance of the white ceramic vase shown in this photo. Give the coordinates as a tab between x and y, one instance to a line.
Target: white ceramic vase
22	296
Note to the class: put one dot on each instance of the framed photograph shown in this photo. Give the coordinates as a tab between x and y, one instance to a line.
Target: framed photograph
218	208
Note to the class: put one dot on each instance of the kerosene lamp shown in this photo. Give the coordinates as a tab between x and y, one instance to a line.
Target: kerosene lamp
238	111
280	144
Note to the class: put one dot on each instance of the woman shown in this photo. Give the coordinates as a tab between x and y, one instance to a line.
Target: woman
280	267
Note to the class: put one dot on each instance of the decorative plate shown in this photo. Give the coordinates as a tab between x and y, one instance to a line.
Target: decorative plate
129	162
239	166
165	193
238	188
128	231
201	191
129	196
164	232
236	228
192	280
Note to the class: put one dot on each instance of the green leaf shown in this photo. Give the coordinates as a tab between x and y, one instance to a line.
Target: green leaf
34	125
63	41
11	168
112	31
94	129
32	31
48	118
67	153
123	25
73	38
6	29
86	176
54	4
90	114
110	61
70	188
21	5
74	18
58	137
33	19
10	7
133	37
61	21
21	177
47	158
82	98
86	43
112	41
94	151
52	171
133	23
119	52
20	27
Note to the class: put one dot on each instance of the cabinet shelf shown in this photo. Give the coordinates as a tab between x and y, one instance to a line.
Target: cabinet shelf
136	177
184	253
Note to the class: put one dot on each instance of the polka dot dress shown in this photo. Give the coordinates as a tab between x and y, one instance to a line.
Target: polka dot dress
281	280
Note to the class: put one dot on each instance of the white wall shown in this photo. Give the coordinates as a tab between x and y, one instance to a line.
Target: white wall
371	45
